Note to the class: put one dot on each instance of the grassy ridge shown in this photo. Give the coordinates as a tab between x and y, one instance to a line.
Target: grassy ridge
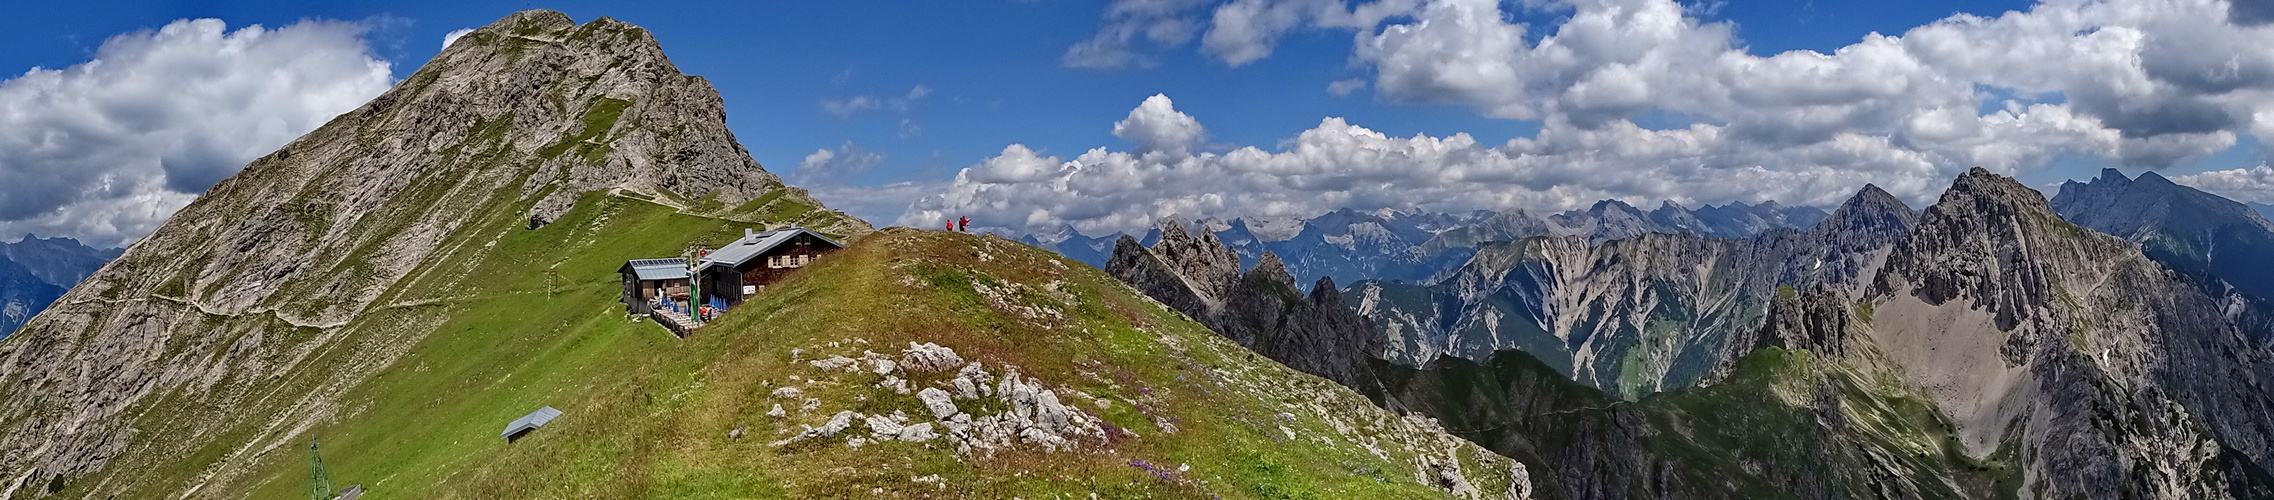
531	319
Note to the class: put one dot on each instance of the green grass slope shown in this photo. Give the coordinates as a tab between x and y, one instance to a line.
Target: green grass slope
536	322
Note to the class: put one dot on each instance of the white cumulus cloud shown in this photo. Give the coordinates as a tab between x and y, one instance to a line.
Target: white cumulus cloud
831	175
1156	126
1339	164
835	166
2147	83
2255	184
106	150
847	107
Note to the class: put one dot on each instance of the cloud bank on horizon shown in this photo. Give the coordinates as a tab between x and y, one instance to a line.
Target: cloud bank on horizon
2144	83
106	150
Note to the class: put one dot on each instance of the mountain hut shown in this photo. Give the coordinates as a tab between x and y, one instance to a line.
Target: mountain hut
746	266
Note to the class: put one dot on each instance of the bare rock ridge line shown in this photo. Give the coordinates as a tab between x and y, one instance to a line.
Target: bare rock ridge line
1350	245
507	128
1633	316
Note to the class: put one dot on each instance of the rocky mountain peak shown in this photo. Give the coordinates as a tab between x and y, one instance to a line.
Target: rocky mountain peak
1325	294
2113	176
1210	267
1872	212
1994	241
1984	242
1272	269
2095	324
2152	178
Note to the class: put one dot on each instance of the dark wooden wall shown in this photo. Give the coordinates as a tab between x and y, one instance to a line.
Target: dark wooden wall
727	284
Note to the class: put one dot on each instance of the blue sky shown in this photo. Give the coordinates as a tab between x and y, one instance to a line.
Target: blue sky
996	73
993	66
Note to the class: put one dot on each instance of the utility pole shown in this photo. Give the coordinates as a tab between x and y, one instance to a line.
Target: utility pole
320	483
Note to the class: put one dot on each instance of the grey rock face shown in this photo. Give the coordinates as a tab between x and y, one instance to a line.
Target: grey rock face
1652	312
2120	377
1390	245
270	268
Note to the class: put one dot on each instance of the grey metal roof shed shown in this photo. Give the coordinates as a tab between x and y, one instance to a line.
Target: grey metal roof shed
529	422
658	269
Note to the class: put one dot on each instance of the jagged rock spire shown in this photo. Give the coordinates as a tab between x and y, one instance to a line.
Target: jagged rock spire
1262	309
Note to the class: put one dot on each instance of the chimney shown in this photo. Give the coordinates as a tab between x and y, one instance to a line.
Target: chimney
749	236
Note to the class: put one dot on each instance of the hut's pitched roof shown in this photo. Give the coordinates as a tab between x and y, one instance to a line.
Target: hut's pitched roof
754	244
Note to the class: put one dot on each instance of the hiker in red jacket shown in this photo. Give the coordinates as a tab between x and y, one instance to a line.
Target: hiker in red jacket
950	226
964	224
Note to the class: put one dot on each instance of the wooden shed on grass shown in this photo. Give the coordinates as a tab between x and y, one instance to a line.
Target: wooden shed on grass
743	268
649	283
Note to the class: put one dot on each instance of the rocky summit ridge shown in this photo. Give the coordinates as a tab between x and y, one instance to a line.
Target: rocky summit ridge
2102	369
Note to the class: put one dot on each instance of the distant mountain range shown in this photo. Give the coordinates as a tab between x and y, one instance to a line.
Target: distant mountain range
1633	302
1648	312
1349	245
1986	347
2224	247
35	271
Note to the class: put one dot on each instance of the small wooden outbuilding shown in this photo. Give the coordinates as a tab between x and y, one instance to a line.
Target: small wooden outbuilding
730	274
649	283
